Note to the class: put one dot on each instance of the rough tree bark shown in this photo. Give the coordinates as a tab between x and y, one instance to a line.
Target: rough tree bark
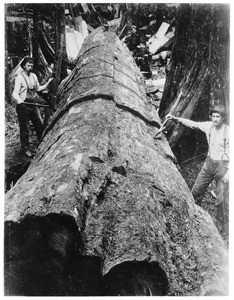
103	209
220	55
198	75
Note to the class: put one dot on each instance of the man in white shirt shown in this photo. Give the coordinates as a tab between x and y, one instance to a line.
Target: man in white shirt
216	164
25	91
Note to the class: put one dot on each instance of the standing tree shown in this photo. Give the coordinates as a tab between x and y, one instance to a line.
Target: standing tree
198	75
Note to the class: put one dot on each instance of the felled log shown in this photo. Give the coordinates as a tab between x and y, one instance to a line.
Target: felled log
103	209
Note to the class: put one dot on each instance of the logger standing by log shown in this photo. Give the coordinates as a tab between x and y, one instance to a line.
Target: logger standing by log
216	164
25	91
132	40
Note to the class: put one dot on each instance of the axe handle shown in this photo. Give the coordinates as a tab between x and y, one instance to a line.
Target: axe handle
36	104
161	128
172	108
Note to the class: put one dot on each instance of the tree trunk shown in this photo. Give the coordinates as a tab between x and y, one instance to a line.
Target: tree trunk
46	47
103	209
7	87
220	55
196	79
60	68
35	38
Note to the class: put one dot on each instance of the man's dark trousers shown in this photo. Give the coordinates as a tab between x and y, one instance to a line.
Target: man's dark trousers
26	113
211	170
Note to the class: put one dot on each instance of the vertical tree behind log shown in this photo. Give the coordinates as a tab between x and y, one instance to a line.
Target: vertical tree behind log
220	55
35	37
60	71
29	37
7	89
193	64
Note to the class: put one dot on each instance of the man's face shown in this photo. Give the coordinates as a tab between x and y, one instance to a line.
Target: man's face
28	66
217	119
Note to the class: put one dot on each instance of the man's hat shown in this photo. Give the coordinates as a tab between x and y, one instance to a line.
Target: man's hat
25	60
219	109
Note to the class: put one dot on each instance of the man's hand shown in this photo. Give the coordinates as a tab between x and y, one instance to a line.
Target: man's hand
169	117
48	82
50	79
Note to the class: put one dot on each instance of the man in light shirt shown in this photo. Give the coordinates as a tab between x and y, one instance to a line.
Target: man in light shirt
216	164
25	91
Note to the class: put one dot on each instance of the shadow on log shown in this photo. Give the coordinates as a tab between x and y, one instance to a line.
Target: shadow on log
136	278
102	208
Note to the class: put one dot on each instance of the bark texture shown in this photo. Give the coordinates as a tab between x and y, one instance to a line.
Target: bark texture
103	208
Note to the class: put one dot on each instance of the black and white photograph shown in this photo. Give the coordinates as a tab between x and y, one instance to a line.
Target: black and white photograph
116	149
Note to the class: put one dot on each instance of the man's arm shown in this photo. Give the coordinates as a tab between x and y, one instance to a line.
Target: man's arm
44	86
186	122
226	176
16	91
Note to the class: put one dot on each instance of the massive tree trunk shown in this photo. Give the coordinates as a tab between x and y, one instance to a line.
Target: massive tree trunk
220	55
103	209
198	75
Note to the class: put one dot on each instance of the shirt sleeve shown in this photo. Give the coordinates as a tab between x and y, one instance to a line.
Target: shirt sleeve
203	126
36	82
17	88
